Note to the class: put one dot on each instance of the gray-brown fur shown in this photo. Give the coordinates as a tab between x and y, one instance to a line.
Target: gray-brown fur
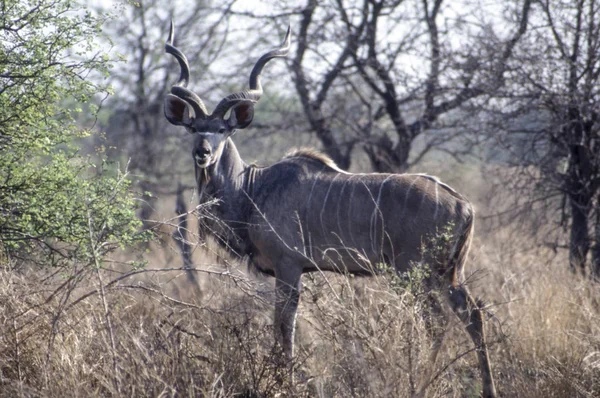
314	202
304	214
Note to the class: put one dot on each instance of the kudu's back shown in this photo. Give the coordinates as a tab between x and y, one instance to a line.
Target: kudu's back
334	220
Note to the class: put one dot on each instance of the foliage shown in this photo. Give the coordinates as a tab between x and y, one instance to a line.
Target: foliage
54	202
355	337
548	119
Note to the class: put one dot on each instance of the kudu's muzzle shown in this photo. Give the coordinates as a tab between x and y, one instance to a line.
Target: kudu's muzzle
202	156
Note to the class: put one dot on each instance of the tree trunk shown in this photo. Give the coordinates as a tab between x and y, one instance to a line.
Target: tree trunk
385	157
148	205
579	242
180	235
596	249
332	147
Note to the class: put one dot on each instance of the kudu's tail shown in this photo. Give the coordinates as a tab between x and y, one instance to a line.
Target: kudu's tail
461	248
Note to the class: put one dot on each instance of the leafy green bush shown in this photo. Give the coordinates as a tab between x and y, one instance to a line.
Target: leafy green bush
55	204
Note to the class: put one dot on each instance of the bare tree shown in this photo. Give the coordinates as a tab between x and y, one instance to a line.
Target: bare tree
552	107
371	42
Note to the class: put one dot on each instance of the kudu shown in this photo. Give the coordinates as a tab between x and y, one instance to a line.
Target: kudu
305	214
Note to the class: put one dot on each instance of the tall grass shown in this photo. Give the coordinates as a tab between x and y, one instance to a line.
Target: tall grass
151	334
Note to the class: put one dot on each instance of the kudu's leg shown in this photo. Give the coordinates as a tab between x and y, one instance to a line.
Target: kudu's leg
436	321
287	288
468	311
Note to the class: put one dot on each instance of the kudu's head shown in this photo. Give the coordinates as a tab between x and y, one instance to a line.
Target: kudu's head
185	108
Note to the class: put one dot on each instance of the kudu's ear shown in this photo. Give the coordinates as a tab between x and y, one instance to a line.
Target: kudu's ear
241	115
178	111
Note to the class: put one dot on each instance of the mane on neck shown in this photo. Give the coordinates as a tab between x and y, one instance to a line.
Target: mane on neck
314	155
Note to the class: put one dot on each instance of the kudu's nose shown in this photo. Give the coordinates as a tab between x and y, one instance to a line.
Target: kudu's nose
202	155
202	152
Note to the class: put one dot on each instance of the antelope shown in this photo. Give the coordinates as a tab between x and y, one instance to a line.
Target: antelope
305	214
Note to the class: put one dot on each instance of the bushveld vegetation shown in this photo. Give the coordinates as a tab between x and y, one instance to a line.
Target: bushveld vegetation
150	334
91	304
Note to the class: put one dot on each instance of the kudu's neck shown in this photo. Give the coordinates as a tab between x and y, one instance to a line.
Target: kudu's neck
224	179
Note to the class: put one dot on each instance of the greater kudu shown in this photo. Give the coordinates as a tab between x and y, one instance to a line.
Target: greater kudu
304	213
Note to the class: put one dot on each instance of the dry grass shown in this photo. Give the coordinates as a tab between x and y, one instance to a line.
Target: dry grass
152	336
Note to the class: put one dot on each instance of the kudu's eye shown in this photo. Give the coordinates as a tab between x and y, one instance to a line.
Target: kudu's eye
222	130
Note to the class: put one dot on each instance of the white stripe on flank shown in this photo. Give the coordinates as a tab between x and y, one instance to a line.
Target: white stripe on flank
437	203
325	203
316	178
424	192
350	215
306	215
373	223
407	194
338	207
